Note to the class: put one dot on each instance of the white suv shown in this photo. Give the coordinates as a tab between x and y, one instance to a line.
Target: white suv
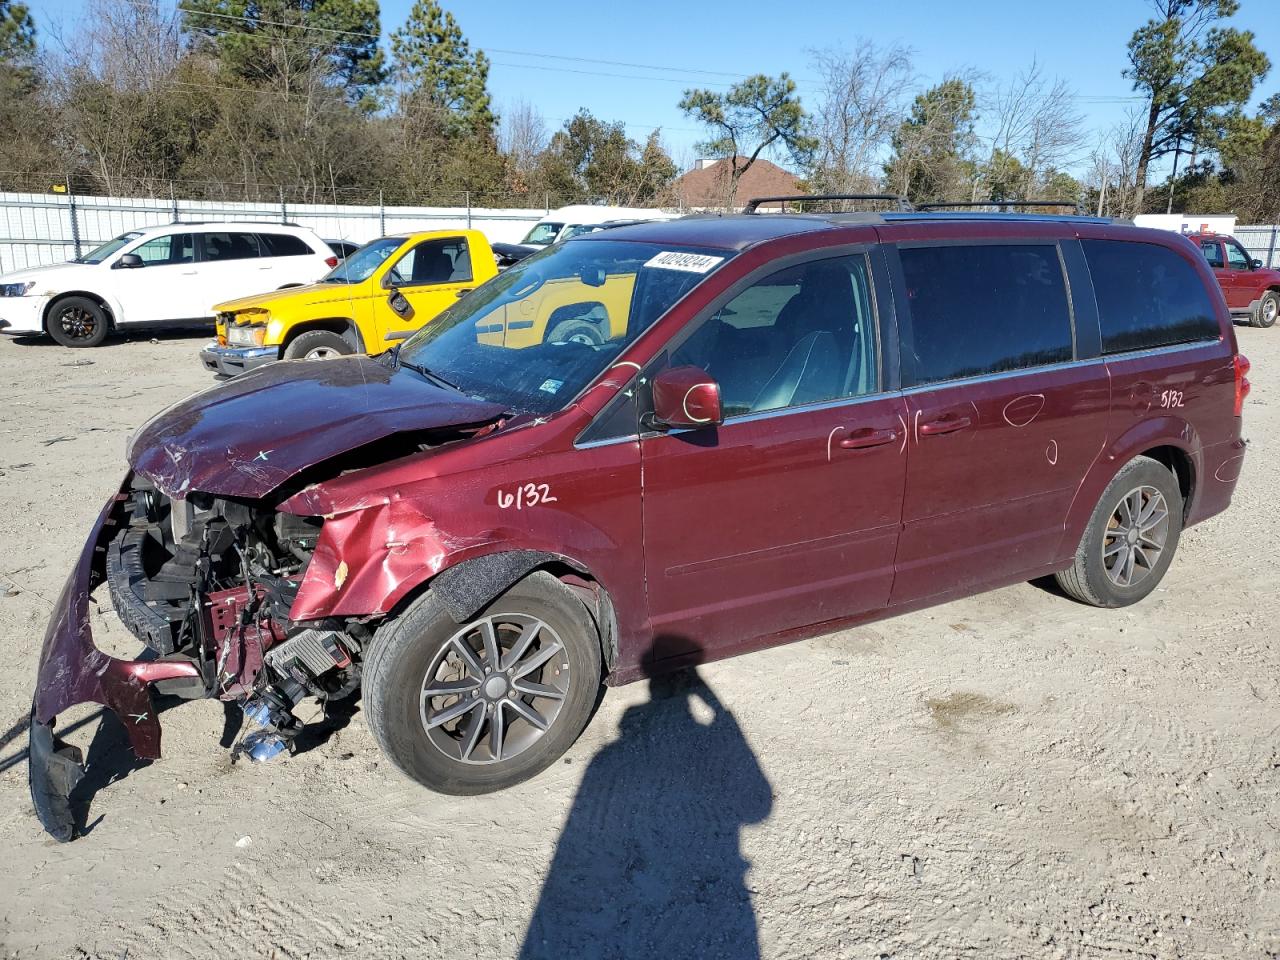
159	276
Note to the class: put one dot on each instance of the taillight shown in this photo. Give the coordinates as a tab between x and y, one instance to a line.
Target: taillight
1242	381
331	261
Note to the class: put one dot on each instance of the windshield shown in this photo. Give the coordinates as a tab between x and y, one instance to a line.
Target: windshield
535	336
360	266
98	254
543	233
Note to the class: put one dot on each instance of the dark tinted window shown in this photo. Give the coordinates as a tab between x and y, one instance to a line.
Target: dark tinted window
283	245
229	246
1148	296
1212	251
801	335
985	309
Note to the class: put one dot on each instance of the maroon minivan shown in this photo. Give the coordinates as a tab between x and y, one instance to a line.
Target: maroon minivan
789	424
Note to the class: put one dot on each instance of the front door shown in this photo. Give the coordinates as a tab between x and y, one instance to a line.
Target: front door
1003	423
165	287
1241	289
428	277
787	514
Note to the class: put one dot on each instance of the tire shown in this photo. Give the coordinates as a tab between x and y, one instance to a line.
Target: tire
576	331
317	345
1268	310
455	757
1100	581
77	322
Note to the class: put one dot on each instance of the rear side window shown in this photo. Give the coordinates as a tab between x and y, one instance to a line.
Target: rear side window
985	309
283	245
229	246
1148	296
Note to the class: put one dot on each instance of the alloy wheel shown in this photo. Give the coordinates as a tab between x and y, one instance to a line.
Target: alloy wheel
1270	307
495	688
1135	537
77	323
321	353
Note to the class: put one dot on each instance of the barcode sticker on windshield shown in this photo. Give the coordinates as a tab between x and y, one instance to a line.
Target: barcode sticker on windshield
690	262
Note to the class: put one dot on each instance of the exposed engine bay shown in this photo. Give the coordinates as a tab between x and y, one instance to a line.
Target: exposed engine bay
211	580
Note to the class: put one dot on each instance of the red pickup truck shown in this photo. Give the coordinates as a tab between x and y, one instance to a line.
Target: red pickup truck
1251	289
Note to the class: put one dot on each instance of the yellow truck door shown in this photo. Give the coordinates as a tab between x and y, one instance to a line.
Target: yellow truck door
429	277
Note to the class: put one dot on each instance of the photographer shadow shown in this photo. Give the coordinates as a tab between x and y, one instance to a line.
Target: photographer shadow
649	862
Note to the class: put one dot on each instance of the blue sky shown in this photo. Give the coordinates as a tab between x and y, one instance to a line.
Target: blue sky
533	46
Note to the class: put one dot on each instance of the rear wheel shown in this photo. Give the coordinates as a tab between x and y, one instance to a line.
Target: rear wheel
1131	537
317	345
77	322
1268	310
477	707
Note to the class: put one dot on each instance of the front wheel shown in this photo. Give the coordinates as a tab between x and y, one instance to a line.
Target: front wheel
477	707
77	322
317	345
1268	310
1131	537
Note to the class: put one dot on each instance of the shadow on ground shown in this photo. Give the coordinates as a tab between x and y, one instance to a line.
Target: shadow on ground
649	862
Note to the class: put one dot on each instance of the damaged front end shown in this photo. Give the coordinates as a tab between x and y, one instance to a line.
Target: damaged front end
207	584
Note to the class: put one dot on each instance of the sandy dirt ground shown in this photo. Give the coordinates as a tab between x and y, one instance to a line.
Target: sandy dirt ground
1014	775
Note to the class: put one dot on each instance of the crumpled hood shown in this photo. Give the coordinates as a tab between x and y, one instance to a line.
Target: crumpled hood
312	293
246	437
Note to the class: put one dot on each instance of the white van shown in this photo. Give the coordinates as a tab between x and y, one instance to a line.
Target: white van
579	218
159	276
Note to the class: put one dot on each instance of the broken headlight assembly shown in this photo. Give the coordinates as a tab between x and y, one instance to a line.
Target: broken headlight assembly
246	335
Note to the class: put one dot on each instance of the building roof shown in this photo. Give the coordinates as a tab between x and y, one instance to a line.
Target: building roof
708	184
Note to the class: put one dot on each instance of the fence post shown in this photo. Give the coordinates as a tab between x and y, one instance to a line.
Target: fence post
173	201
546	197
284	211
75	222
1271	248
382	216
467	197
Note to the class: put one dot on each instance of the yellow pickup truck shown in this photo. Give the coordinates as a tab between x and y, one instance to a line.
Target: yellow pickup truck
378	296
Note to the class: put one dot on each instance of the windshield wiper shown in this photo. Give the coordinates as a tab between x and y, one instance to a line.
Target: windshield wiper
433	377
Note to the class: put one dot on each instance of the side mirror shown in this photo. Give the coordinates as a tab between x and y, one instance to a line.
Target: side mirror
1257	264
686	397
400	304
129	261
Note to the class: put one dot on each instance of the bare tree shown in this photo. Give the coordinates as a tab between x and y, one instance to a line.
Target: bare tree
864	96
522	138
1114	167
1037	131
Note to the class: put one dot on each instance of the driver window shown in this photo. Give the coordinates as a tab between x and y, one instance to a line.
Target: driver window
1237	259
433	261
801	335
174	248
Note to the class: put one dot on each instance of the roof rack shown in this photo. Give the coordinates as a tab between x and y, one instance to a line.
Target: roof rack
902	203
231	223
999	204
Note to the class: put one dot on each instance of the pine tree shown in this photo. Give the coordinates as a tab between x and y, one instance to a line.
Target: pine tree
433	60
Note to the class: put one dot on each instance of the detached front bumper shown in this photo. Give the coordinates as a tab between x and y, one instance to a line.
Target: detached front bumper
233	361
73	671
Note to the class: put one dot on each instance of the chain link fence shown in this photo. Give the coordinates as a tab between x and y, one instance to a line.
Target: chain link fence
1262	242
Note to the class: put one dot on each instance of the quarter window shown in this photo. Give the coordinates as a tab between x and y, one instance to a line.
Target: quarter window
985	309
801	335
283	245
1148	296
230	246
1212	251
174	248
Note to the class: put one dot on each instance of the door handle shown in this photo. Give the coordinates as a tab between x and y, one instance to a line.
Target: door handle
867	437
943	425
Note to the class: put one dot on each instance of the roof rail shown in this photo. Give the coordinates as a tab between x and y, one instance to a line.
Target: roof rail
1001	204
231	223
903	204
